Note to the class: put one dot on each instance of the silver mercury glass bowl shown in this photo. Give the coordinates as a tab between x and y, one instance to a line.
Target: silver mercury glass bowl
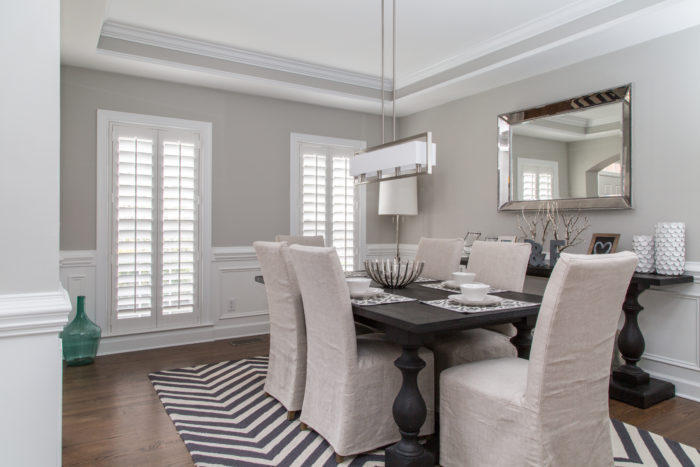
393	274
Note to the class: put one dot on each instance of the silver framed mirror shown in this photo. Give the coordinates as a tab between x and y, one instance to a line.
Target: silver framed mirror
575	152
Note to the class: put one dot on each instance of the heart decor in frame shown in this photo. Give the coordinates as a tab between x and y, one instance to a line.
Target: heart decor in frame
603	243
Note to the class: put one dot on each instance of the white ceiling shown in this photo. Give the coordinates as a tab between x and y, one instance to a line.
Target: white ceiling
328	52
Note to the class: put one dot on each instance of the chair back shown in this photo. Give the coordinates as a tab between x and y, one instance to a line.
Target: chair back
301	240
569	367
502	265
330	328
440	255
287	371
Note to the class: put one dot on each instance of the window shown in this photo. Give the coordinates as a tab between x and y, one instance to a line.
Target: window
154	243
324	198
538	179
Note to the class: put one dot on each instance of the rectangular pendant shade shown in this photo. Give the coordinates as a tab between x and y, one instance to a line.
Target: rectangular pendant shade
399	196
408	156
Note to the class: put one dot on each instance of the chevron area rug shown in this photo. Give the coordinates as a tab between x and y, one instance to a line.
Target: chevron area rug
225	419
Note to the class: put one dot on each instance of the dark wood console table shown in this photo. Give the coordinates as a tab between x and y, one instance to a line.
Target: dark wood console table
629	383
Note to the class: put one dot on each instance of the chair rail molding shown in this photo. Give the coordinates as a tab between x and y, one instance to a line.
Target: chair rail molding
231	277
34	313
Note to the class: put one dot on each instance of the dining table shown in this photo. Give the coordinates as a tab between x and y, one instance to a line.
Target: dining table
413	324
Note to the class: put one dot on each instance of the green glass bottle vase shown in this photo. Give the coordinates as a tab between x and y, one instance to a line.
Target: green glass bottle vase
80	338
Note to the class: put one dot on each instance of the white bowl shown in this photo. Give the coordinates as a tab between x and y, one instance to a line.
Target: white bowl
358	285
463	277
474	292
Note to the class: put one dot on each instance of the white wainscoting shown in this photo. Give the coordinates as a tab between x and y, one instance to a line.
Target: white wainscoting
232	277
670	321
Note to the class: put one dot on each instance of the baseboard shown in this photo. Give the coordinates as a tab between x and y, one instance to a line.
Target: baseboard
156	340
34	313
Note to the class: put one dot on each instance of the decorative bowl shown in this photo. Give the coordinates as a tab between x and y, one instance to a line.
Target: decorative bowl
392	274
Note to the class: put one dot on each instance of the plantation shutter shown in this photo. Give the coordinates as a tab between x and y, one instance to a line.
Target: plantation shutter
179	222
328	199
155	253
343	212
133	172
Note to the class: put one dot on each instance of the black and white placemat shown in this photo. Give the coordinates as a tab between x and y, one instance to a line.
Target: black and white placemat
455	306
442	286
381	299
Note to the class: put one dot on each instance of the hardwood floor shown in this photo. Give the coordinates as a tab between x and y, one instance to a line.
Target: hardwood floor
112	416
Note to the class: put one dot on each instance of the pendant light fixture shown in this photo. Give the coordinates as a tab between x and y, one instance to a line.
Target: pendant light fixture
407	157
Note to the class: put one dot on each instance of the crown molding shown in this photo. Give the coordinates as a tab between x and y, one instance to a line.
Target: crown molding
555	19
139	35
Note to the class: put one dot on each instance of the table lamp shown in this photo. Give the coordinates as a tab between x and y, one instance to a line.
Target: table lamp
398	198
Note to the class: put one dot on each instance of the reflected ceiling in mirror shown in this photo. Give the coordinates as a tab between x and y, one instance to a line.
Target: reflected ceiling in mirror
575	152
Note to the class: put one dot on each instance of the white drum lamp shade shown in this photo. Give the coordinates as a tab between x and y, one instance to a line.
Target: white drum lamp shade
399	196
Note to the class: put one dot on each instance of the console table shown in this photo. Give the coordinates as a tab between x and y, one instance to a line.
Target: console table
629	383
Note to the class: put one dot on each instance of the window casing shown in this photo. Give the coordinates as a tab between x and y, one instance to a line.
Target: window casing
153	221
324	199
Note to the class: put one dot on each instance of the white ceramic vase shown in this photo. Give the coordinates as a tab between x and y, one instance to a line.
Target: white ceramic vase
670	248
643	247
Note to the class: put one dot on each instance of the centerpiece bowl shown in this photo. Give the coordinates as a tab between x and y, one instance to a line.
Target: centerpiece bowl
393	274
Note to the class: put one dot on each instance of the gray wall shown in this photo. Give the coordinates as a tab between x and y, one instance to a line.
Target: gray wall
461	195
583	155
250	150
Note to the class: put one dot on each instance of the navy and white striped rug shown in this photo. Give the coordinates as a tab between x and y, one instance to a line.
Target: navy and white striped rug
224	418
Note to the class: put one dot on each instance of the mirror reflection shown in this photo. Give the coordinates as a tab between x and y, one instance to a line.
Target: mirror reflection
578	155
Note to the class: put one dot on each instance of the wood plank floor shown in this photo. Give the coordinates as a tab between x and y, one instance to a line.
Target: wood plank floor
112	416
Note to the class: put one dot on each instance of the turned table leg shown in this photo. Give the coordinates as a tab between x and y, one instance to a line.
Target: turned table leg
629	383
523	339
409	413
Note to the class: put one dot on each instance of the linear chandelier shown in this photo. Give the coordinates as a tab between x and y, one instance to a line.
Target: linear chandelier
407	157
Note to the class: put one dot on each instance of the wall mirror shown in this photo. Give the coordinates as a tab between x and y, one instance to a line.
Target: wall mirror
575	152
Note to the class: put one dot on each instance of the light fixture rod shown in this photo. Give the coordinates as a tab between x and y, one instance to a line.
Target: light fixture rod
393	71
382	73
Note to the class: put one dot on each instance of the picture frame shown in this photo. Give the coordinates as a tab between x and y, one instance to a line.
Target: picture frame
603	243
507	238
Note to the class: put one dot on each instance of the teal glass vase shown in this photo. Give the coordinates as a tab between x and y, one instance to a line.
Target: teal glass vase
80	338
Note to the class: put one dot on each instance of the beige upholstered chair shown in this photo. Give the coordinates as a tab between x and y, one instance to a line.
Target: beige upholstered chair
301	240
351	381
553	409
286	373
501	265
441	256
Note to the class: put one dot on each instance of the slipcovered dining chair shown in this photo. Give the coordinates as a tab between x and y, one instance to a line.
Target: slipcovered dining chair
553	409
286	373
351	381
440	255
502	265
316	240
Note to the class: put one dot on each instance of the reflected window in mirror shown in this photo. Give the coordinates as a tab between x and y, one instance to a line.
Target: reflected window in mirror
575	151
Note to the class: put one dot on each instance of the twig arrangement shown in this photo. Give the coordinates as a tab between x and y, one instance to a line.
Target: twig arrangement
550	223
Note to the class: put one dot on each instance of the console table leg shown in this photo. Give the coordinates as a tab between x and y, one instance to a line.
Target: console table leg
631	341
409	414
629	383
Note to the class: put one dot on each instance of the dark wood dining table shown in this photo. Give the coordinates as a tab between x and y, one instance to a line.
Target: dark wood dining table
413	324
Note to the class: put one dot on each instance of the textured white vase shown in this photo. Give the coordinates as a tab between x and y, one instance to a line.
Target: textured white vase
643	247
670	248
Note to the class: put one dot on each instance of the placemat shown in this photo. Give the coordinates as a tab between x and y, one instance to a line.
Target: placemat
441	286
454	306
381	299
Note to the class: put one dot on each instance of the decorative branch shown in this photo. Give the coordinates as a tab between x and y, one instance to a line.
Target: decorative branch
549	218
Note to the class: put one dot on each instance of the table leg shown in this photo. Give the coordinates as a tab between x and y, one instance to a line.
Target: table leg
409	414
630	383
523	339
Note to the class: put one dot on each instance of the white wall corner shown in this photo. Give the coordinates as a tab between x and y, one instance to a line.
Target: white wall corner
34	313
